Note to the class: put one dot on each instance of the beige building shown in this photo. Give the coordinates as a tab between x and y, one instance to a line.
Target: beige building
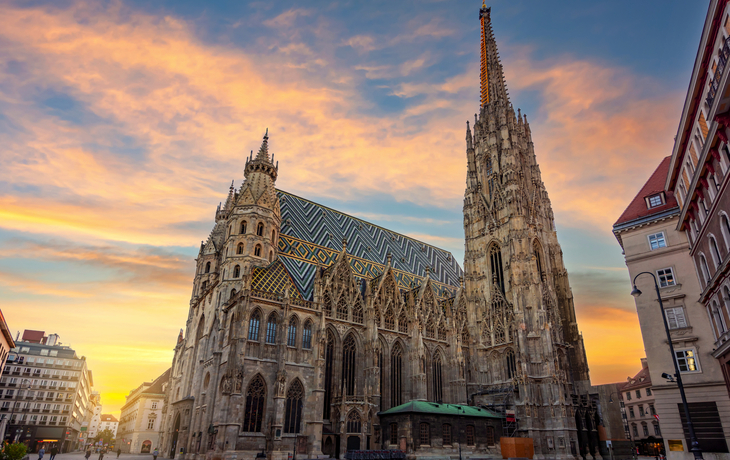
94	416
139	424
640	407
108	422
647	232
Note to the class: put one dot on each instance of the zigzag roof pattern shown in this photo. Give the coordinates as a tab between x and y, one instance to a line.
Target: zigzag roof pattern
312	234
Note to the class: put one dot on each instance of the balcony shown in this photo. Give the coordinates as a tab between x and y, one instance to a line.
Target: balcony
722	61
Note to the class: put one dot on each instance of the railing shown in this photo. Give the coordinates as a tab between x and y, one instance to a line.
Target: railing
722	61
266	295
303	303
350	399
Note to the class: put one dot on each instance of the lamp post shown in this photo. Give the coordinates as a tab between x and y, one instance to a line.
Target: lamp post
12	410
694	444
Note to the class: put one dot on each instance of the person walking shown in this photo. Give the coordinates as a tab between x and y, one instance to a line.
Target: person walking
54	451
88	453
119	452
41	453
155	453
101	454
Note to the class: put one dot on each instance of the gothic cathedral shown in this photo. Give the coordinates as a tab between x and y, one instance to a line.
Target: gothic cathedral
307	326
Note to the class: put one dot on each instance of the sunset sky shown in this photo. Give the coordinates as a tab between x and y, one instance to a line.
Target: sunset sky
123	123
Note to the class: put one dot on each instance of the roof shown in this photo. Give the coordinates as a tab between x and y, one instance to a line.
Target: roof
425	407
312	235
108	418
640	380
156	387
274	278
638	208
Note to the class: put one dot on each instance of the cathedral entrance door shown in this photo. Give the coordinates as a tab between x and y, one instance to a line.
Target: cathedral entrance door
353	443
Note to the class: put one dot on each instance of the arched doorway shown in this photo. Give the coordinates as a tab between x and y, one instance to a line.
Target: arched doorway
146	447
175	432
329	447
353	443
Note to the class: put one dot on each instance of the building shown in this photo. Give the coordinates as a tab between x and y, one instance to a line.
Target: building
45	391
647	232
6	344
643	421
305	323
92	424
698	176
109	422
139	423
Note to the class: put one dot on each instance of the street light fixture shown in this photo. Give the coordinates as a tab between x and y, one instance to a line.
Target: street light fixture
694	443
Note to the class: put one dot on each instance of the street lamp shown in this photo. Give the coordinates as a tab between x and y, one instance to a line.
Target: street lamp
12	410
694	444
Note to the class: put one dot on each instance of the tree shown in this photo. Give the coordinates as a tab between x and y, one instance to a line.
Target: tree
107	436
15	451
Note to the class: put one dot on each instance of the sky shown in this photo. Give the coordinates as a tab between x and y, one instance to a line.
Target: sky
123	123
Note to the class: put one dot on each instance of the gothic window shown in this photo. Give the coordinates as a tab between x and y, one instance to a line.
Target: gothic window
538	258
354	425
328	365
430	329
499	334
442	331
396	376
294	405
307	335
403	323
349	349
253	326
342	308
207	267
389	319
260	229
239	248
510	365
376	313
233	293
236	271
257	250
327	306
243	227
438	393
446	434
271	329
357	312
273	235
465	336
495	258
255	401
425	434
291	338
271	256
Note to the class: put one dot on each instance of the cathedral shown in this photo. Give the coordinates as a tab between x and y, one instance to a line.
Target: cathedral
306	325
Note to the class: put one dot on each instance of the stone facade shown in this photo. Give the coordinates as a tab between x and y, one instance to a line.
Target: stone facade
305	322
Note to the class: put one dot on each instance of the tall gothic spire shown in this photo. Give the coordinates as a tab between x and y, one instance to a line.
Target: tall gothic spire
493	87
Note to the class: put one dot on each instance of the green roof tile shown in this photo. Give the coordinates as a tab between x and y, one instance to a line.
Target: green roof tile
425	407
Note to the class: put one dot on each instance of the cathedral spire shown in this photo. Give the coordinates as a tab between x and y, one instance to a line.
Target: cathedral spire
493	87
264	149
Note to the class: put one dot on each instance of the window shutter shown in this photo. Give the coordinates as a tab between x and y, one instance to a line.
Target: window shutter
671	318
681	320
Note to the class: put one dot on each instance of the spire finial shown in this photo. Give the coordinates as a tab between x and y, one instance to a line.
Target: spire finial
264	150
493	86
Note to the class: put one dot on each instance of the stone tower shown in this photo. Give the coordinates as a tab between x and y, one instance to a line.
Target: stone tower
527	353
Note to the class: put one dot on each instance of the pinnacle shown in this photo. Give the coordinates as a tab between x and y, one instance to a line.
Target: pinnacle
264	149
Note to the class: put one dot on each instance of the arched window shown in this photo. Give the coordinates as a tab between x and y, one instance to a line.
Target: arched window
354	425
255	402
294	405
236	271
424	437
495	258
243	227
273	235
490	436
509	364
253	326
715	251
717	314
430	329
349	352
233	293
704	268
291	338
257	250
538	257
499	334
396	376
260	229
726	300
389	319
307	335
327	306
357	312
438	393
446	434
271	329
442	331
403	323
239	249
207	267
271	256
342	308
725	228
328	366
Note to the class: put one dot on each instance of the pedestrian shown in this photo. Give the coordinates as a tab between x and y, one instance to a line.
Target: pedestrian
54	451
88	453
41	453
155	453
101	454
119	452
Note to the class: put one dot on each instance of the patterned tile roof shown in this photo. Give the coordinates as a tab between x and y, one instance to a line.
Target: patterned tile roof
312	234
274	278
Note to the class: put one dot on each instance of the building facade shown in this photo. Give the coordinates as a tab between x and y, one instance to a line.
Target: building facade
698	175
647	232
304	323
109	422
45	392
92	423
6	345
643	422
138	430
